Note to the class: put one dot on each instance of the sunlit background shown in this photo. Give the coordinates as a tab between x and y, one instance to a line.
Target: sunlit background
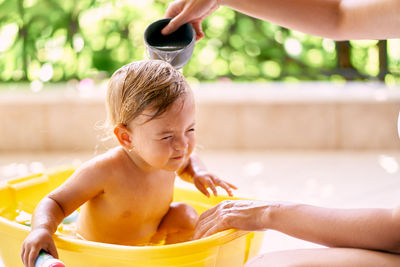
44	41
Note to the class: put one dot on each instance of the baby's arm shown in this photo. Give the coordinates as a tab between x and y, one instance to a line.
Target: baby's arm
47	215
83	185
194	171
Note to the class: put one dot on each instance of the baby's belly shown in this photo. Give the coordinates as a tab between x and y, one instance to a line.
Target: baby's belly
130	230
122	237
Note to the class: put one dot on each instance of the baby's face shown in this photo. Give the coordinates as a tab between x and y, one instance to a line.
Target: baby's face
168	140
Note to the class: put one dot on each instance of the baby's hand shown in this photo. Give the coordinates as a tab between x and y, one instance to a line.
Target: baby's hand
203	180
37	240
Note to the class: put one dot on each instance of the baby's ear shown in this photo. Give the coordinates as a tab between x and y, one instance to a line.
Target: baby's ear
123	136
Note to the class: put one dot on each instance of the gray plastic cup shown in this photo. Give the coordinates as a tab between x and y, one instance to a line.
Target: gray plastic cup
175	48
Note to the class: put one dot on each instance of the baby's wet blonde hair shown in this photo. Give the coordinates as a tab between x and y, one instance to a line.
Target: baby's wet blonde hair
140	85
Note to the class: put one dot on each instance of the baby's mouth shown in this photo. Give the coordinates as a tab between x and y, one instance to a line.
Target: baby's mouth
178	157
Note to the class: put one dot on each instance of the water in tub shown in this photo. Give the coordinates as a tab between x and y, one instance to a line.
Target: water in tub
66	228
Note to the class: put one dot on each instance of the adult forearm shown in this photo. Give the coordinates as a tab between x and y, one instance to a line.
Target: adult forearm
359	228
335	19
48	215
317	17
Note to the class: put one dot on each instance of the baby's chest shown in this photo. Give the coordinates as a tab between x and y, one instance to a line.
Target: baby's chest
144	199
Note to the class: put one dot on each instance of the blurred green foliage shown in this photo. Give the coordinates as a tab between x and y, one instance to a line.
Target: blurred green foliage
50	41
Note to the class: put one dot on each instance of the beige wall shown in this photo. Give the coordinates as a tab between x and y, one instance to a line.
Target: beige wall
229	116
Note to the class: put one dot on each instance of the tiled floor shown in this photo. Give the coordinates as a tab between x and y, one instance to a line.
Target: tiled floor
331	179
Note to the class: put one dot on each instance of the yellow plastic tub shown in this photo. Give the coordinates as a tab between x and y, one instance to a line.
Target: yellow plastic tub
230	248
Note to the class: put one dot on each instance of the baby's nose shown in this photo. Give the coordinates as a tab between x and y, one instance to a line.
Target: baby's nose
180	143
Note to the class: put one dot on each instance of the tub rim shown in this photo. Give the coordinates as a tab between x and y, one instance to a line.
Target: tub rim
63	242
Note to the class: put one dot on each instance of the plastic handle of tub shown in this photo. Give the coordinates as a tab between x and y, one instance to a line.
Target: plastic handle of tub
46	260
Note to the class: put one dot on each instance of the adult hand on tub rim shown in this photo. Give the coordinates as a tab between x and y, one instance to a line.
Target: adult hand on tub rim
248	215
335	19
363	228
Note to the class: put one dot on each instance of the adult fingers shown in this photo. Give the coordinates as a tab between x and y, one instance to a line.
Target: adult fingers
211	225
219	208
202	227
214	229
174	8
211	217
208	212
204	221
198	29
175	23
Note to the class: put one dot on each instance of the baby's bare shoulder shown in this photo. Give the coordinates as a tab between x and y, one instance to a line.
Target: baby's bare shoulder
87	182
102	165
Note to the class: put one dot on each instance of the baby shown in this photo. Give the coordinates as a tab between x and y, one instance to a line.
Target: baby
127	191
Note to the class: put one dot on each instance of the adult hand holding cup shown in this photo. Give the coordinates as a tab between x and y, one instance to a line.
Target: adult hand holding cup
175	48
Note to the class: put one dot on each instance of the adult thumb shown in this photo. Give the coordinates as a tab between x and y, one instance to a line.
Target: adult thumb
174	24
